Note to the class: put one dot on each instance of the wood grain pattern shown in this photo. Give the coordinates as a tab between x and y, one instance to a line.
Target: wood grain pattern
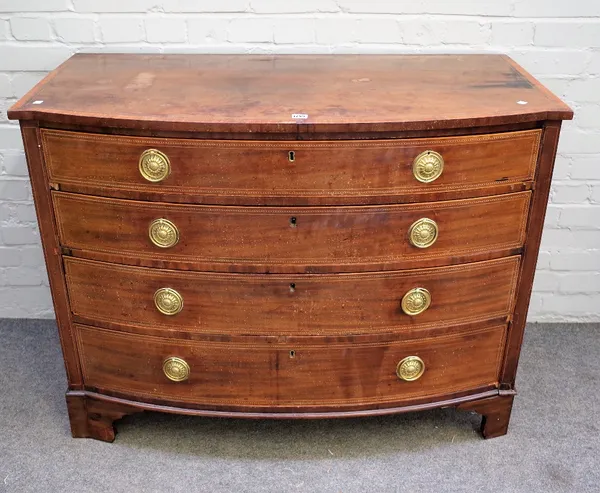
315	239
156	405
235	171
534	238
52	252
266	304
495	413
93	418
346	135
292	273
93	414
259	93
256	374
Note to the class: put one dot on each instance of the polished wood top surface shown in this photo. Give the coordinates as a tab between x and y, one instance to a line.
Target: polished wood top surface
260	93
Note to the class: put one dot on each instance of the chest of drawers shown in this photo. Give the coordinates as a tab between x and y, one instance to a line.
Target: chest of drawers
289	236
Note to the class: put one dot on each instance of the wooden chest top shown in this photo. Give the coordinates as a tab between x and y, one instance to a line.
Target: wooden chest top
292	93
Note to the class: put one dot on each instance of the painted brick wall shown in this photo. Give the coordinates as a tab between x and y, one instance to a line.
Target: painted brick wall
559	42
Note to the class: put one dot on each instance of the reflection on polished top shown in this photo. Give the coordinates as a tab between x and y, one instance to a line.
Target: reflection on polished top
261	93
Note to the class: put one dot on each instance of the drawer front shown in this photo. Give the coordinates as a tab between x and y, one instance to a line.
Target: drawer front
300	304
254	171
301	239
260	374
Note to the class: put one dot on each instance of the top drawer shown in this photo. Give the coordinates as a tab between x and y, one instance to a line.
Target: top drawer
290	172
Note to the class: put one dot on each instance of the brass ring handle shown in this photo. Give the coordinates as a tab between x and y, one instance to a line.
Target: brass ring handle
423	233
416	301
176	369
428	166
168	301
154	165
410	368
163	233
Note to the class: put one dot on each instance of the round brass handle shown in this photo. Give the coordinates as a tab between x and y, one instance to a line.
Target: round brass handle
176	369
154	165
428	166
423	233
168	301
163	233
410	369
416	301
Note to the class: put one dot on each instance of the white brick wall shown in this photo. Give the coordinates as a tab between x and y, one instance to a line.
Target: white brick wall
559	42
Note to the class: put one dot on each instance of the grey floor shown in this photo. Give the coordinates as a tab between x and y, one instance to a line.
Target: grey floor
553	443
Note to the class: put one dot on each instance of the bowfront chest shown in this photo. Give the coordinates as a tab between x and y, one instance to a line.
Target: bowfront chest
289	236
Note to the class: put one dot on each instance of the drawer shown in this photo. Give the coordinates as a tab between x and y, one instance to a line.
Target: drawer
286	173
300	304
300	239
309	375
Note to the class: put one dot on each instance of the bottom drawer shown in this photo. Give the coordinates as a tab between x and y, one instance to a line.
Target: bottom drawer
278	375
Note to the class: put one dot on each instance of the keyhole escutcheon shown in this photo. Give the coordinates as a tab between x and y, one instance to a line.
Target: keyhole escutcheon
291	156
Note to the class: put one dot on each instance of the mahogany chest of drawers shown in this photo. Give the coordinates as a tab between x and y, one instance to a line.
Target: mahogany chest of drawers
289	236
